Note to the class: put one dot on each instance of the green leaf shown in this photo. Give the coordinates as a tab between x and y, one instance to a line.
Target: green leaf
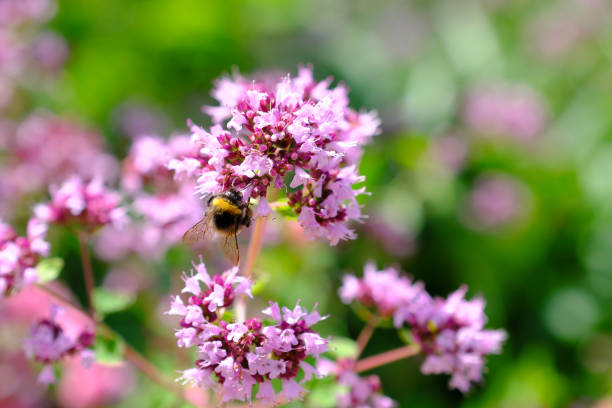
49	269
324	393
228	316
282	207
109	349
110	302
262	281
342	347
406	336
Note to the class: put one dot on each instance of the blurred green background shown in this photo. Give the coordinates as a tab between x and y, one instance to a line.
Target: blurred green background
536	241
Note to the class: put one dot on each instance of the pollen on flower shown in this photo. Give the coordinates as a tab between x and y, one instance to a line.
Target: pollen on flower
241	355
19	256
294	129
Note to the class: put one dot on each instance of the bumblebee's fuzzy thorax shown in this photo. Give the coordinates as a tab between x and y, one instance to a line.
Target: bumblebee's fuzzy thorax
227	215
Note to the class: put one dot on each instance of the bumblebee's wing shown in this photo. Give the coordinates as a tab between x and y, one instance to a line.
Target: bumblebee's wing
198	232
229	244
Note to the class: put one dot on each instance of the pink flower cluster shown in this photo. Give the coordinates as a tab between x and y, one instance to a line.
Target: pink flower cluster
385	290
48	343
34	160
162	208
19	256
449	331
89	204
13	12
25	59
293	127
242	355
505	110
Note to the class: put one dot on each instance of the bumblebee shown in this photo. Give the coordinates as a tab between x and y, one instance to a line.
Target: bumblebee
227	215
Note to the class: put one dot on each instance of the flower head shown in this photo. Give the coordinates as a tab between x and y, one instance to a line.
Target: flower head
241	355
19	255
505	110
162	208
296	128
385	290
496	200
90	204
48	343
34	161
450	332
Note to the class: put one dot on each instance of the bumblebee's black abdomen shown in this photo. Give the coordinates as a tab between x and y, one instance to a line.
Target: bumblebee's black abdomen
225	221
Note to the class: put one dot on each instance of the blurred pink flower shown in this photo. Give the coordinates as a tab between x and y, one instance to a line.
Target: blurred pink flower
396	241
48	343
495	200
162	208
451	151
564	26
46	149
134	120
89	204
12	53
14	12
19	256
96	386
364	392
513	111
50	51
18	386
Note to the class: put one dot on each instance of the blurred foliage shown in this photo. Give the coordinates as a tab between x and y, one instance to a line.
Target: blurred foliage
546	276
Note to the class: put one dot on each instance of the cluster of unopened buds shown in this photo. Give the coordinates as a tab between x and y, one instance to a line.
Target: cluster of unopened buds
241	355
48	343
293	127
449	332
20	255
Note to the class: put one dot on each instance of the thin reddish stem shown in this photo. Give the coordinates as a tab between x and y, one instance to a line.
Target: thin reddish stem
254	246
131	355
366	334
387	357
90	283
252	255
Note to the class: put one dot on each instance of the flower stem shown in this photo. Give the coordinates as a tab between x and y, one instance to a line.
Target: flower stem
254	246
387	357
366	334
131	355
90	282
252	254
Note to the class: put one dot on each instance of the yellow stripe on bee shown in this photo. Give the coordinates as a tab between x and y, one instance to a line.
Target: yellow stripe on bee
226	205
